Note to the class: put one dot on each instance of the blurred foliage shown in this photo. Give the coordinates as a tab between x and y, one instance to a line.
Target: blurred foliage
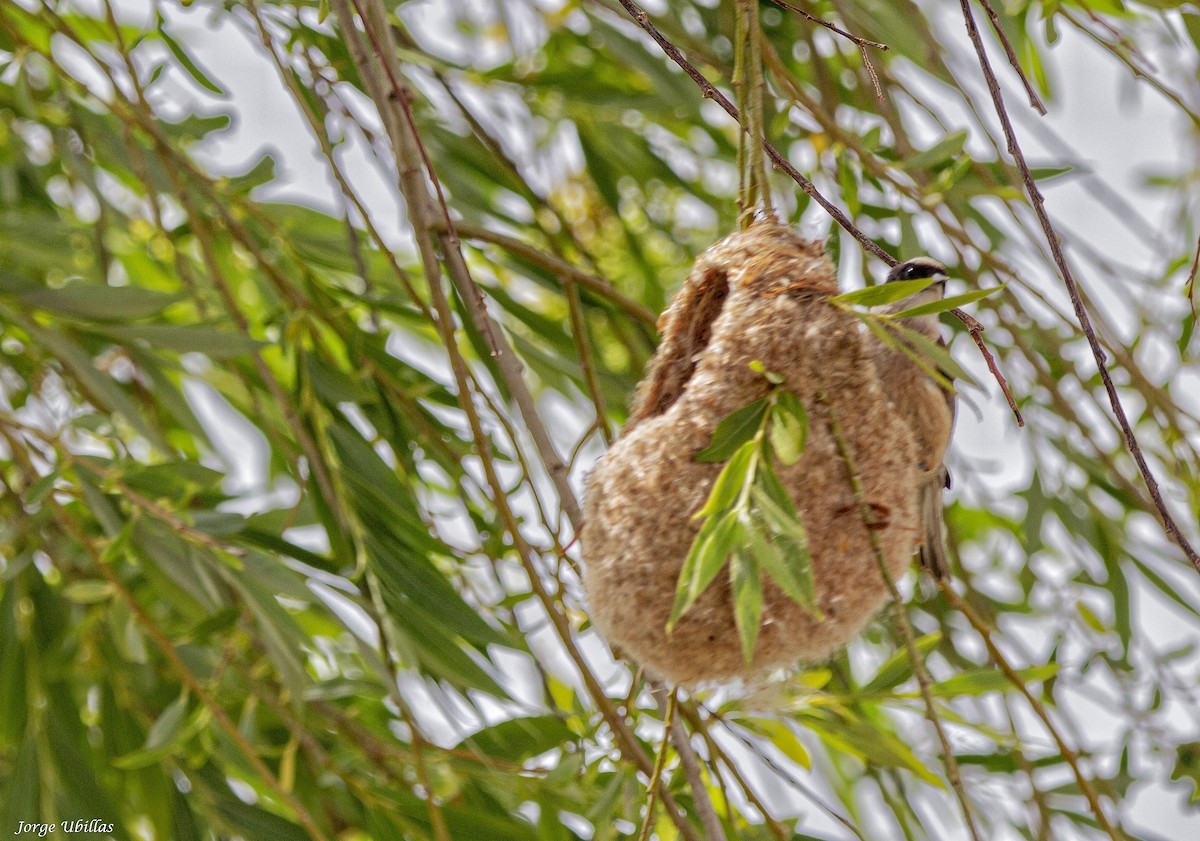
255	581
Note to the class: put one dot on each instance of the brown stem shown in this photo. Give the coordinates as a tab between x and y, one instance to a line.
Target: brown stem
511	370
1190	286
416	198
691	766
858	42
861	43
975	329
566	271
660	762
1034	101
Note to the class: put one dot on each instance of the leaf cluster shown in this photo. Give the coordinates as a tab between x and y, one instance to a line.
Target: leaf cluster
749	520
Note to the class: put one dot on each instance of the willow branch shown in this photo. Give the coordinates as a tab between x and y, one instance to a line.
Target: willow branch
1034	100
1081	314
710	92
392	95
189	680
417	202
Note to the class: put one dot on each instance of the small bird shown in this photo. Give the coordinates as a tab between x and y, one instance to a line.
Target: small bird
927	404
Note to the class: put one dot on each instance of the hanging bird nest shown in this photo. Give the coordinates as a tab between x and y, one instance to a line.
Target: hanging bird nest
760	295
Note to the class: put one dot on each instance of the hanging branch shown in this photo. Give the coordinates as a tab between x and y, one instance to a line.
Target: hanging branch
1034	101
660	762
190	681
974	330
419	205
506	360
1039	208
710	92
754	190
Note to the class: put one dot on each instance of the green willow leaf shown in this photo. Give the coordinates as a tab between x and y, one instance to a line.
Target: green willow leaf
709	552
733	431
746	585
93	301
788	430
787	562
897	668
729	482
777	507
947	304
949	147
983	681
181	338
929	355
198	76
884	293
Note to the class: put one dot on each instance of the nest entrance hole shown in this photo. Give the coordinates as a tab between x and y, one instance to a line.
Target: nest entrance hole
692	334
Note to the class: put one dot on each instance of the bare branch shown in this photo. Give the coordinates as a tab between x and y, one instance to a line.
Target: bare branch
1039	208
1034	100
861	43
975	329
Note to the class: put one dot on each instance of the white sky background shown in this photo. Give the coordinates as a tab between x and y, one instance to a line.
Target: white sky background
1121	130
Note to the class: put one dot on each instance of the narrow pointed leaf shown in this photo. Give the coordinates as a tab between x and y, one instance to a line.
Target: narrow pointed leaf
776	507
733	431
788	563
788	430
884	293
947	304
729	482
747	598
708	554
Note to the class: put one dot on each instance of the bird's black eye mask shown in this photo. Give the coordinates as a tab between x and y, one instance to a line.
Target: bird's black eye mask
915	270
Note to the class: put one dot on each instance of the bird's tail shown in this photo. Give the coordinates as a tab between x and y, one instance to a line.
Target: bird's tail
932	551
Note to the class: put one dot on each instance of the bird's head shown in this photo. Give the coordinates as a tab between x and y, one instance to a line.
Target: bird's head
916	269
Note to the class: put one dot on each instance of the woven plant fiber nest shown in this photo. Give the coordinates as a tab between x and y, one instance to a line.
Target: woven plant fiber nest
758	295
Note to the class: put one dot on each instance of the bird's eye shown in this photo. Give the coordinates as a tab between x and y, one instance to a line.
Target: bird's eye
908	272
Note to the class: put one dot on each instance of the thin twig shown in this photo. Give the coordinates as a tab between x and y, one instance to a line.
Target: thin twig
1081	314
700	724
416	197
1125	55
975	329
748	79
691	766
660	762
1068	754
858	42
710	92
1034	100
906	632
861	43
561	268
719	757
1189	288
